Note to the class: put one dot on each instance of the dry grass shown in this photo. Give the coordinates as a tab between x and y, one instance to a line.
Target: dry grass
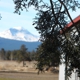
15	66
27	73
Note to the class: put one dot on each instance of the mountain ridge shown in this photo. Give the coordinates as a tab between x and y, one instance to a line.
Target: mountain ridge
19	34
9	44
13	38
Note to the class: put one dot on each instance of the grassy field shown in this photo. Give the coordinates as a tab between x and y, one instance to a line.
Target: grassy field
28	76
11	70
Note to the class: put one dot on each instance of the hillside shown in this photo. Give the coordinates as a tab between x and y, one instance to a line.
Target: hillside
9	44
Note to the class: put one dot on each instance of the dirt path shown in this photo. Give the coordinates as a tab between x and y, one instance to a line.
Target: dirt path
29	76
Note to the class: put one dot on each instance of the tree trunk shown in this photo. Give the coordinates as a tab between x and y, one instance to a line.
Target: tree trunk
23	63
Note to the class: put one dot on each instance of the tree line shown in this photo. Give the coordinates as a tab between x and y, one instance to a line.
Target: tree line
18	55
23	55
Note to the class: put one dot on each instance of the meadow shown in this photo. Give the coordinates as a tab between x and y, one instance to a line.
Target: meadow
12	70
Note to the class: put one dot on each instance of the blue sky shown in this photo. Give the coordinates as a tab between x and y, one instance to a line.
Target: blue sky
9	19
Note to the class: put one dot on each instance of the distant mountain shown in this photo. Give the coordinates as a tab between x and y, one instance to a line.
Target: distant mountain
9	44
19	33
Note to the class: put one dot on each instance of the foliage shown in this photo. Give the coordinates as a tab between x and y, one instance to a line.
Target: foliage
33	55
2	54
18	55
48	55
21	54
11	55
8	55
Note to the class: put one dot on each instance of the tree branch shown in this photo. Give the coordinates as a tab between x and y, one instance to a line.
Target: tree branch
69	15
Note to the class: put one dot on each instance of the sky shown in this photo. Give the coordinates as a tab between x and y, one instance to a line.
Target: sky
10	19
